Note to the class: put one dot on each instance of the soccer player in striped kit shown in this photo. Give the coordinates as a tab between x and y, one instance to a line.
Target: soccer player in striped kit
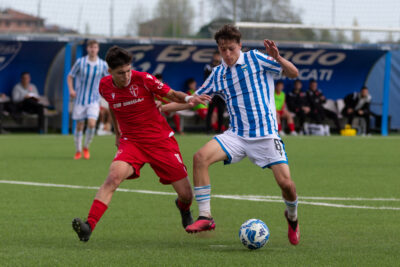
245	81
87	72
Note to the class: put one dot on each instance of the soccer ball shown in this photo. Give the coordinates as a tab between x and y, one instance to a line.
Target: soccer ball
254	234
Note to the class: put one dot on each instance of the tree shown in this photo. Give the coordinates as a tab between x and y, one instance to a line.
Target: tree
173	18
356	34
263	11
137	16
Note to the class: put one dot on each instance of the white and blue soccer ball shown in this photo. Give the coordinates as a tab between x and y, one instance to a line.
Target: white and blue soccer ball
254	234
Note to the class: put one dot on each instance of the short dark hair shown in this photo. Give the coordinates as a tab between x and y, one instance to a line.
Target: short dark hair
158	76
91	42
364	87
228	32
117	56
24	73
279	82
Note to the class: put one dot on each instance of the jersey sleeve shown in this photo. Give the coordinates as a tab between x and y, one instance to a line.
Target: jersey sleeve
101	87
152	84
105	69
268	63
208	86
75	68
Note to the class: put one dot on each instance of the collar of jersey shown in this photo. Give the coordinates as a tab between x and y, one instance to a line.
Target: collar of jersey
240	61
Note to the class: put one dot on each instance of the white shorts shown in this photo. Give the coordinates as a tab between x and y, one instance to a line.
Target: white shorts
263	152
91	111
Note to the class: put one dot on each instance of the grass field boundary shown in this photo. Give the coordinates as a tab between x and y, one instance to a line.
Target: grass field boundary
276	199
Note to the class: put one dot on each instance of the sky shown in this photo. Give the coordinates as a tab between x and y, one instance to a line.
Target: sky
94	15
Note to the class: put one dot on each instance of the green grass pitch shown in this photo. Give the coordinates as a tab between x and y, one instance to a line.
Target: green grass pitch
144	229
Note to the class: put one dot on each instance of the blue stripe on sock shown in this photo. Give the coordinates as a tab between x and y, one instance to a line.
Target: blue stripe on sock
202	187
206	195
200	200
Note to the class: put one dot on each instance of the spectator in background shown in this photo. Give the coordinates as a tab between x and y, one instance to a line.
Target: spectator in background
281	110
316	100
191	87
217	103
175	117
26	98
298	104
357	105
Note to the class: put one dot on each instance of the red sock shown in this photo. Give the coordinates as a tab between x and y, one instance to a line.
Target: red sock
279	127
177	121
291	127
96	211
184	206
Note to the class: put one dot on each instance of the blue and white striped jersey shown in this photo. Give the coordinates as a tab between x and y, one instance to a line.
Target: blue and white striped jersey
87	76
248	90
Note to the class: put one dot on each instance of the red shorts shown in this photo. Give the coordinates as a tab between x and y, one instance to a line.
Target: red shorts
163	156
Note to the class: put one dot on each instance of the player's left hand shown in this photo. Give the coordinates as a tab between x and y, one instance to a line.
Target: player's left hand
158	105
272	49
199	99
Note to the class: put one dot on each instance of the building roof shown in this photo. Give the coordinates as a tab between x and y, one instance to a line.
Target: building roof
11	14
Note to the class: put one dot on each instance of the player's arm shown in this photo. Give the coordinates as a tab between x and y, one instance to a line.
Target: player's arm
171	107
70	82
116	128
288	68
192	100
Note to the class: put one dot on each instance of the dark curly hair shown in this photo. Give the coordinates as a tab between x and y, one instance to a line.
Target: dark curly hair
117	56
228	32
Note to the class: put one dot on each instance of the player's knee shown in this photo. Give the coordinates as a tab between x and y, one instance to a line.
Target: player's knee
200	159
186	196
113	180
286	185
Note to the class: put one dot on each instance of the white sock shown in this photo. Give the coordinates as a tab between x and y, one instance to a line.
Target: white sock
291	207
203	197
89	134
78	140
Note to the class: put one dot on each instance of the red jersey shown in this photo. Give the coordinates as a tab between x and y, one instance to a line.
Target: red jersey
134	107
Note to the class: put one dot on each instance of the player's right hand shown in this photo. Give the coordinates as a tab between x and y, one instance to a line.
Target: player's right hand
72	93
199	99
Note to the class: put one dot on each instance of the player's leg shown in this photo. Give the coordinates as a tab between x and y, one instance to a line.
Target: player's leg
289	119
184	200
279	115
119	171
89	134
210	153
92	113
78	136
282	177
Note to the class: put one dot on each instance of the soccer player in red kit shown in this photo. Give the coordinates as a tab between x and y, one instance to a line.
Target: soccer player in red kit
142	136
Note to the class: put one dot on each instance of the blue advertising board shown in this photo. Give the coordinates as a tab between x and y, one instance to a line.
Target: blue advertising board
34	57
338	71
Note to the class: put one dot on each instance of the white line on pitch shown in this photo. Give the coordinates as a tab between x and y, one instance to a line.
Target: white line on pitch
275	199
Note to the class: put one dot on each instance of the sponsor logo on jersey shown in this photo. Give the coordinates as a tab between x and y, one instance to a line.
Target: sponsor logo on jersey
149	76
113	95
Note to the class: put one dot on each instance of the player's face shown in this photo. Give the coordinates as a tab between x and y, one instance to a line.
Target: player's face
364	92
297	86
229	51
279	87
313	86
93	50
25	79
121	75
